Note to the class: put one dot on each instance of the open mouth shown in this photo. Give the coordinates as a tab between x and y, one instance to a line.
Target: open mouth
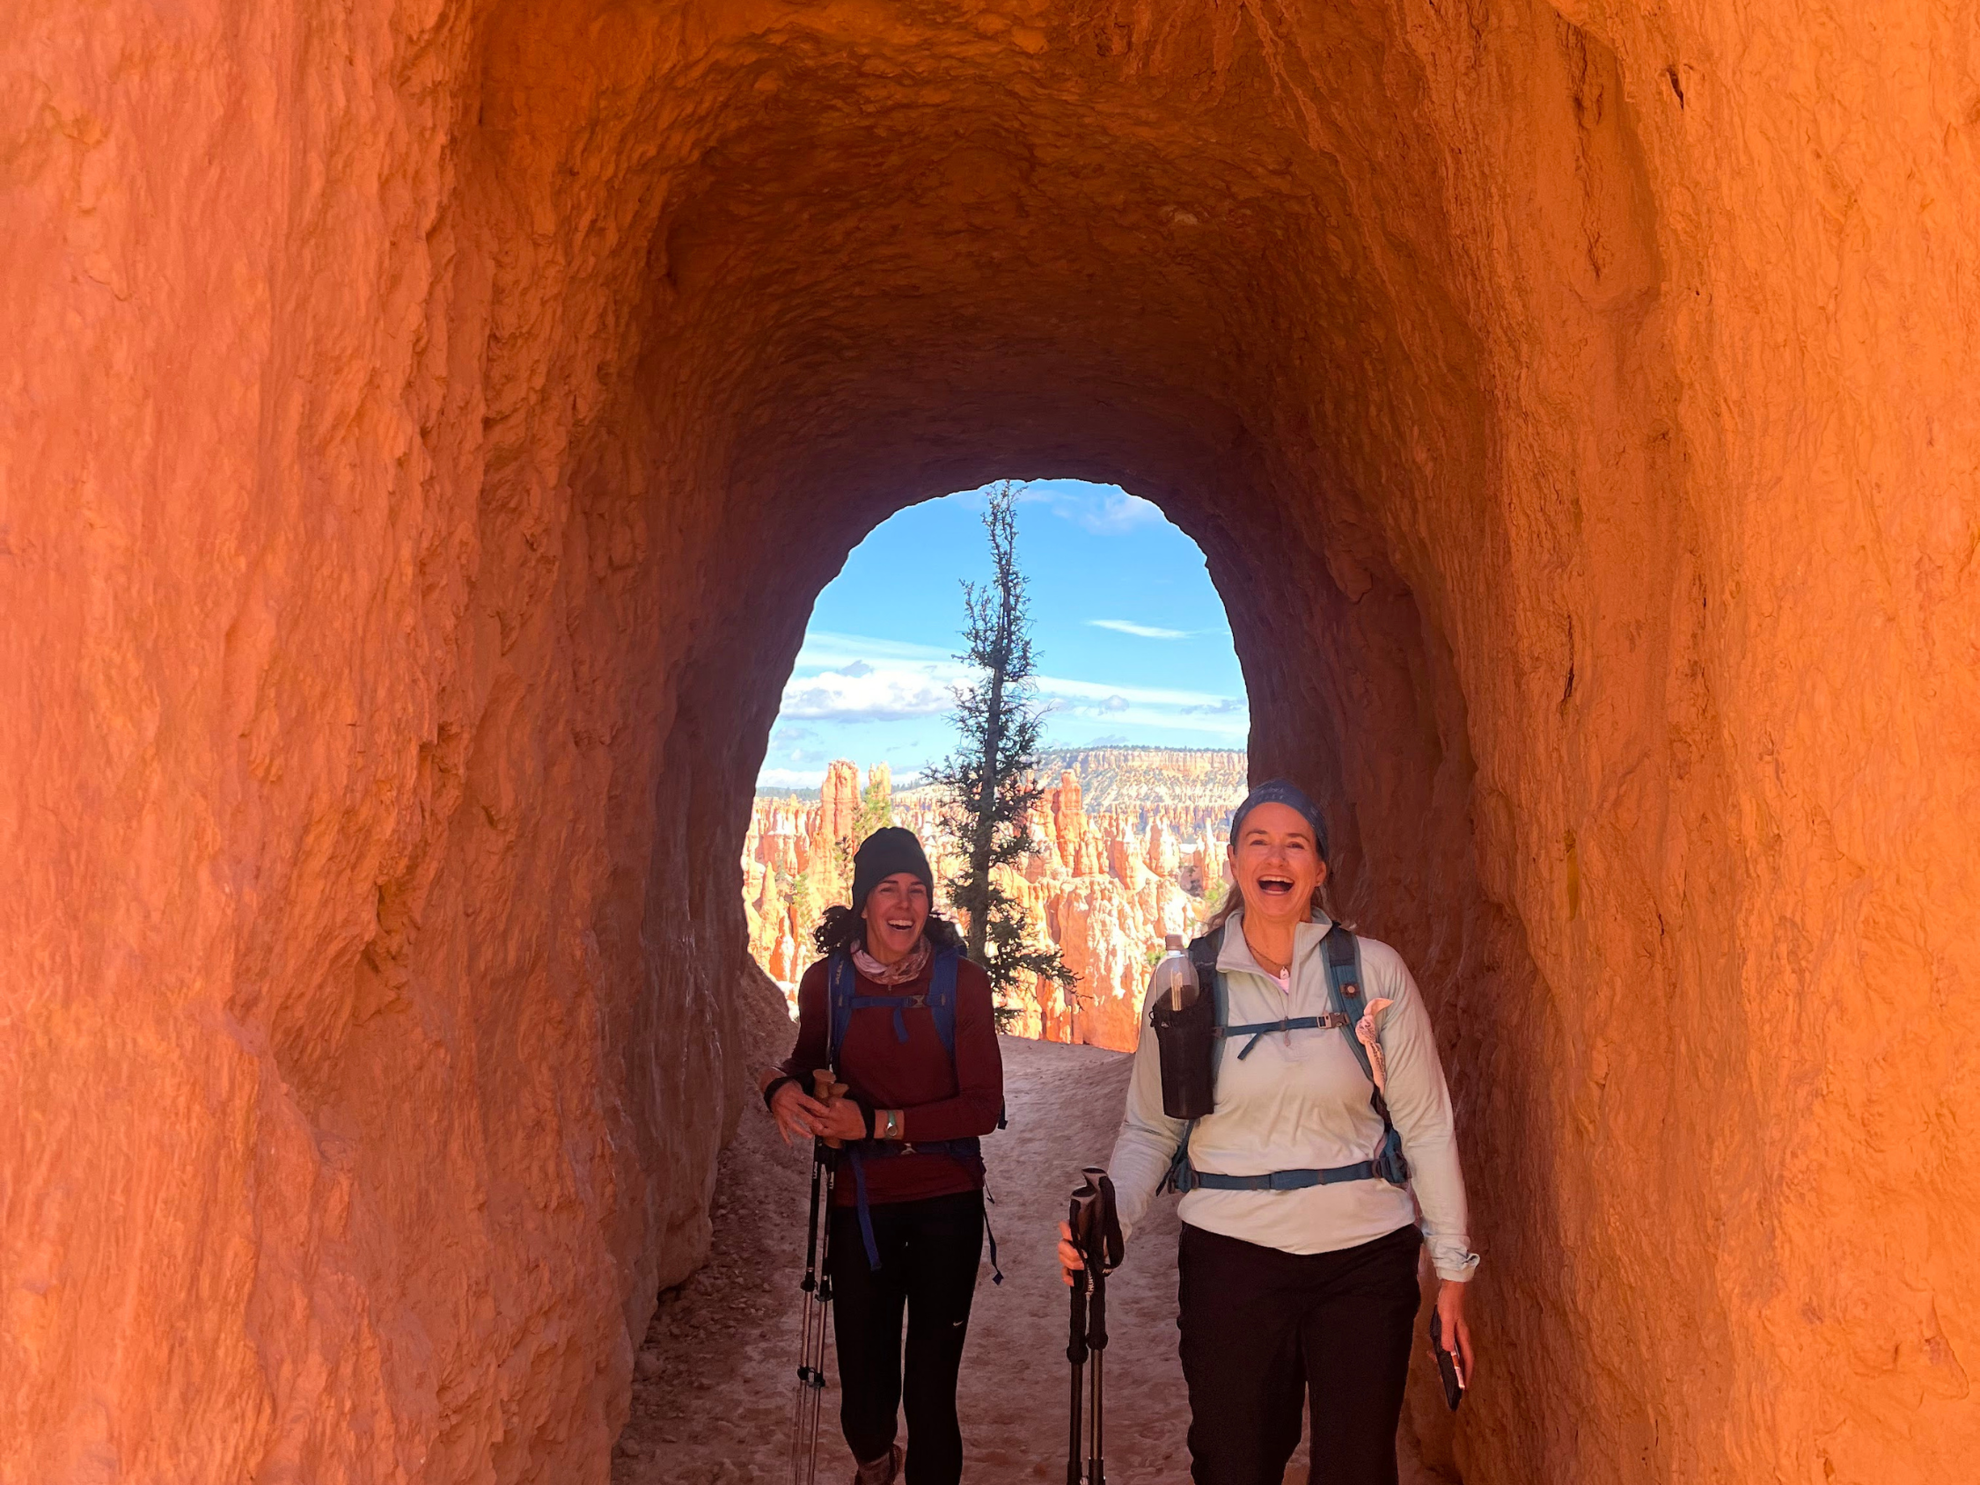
900	925
1275	886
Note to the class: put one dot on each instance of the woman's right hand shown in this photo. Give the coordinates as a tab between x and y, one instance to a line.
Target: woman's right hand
1069	1260
797	1113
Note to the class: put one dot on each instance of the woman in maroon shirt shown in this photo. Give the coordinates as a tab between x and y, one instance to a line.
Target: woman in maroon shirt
906	1021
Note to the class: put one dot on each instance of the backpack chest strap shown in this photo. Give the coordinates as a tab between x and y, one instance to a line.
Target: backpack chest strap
1259	1030
940	998
897	1004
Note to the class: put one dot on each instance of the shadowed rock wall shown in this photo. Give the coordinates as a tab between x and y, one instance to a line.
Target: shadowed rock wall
425	429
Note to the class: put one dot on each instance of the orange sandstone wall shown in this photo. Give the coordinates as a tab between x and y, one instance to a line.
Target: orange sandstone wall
363	1058
425	428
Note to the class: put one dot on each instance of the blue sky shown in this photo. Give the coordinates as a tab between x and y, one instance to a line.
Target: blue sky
1131	639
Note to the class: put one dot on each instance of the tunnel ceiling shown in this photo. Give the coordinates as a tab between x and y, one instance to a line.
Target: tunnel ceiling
1189	252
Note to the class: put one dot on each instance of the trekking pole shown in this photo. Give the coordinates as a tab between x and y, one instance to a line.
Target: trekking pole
1096	1231
1096	1339
809	1378
1077	1220
817	1301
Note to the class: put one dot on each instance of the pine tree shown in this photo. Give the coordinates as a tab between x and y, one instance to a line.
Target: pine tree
876	810
876	804
988	783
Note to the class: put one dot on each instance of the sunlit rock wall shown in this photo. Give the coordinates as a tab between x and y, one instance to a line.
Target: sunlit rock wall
424	430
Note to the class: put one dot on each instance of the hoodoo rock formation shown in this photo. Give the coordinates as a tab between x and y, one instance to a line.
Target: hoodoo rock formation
426	426
1105	886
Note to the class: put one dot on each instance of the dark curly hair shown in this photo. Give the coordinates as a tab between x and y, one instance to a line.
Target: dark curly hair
840	930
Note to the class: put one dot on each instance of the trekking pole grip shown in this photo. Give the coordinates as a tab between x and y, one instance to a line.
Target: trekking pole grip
825	1087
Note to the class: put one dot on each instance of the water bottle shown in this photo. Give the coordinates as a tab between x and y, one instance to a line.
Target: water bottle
1185	1024
1175	977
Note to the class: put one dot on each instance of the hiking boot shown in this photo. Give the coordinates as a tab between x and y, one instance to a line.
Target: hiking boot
880	1471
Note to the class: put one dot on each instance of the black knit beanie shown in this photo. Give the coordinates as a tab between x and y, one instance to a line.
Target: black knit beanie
890	849
1278	791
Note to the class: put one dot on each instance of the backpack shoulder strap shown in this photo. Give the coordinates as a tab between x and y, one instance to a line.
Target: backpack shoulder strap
942	999
839	985
1344	995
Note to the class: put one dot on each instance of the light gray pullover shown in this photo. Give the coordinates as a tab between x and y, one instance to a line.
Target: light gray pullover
1300	1101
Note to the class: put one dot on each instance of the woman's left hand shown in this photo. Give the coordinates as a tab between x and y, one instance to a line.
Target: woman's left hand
1457	1335
844	1120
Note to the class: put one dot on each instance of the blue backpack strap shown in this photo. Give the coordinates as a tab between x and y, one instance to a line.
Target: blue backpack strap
1344	998
840	982
844	983
942	999
1259	1030
1343	951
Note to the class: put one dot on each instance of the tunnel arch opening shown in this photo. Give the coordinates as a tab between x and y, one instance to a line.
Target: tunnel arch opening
1141	756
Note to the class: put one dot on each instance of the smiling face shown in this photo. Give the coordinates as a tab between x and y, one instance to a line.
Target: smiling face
1277	864
896	911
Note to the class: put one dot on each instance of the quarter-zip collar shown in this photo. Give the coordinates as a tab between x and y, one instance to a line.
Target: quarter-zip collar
1234	954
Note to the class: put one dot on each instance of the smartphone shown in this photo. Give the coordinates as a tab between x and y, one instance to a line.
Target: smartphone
1447	1367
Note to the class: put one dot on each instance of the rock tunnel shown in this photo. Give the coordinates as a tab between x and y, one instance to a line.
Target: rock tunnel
427	426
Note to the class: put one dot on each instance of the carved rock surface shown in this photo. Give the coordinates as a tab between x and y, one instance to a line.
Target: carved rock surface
423	429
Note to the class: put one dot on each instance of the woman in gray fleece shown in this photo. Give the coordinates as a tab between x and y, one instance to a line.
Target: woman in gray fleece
1300	1230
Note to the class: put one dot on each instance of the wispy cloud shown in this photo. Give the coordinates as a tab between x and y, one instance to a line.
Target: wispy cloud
1053	685
1143	631
1104	510
867	693
1115	714
790	778
823	647
858	678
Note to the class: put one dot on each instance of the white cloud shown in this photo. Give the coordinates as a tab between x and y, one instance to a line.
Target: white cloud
790	778
858	678
828	650
1143	631
1053	685
1217	725
1104	510
872	694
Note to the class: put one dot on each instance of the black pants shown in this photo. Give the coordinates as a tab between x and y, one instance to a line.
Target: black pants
1262	1328
928	1257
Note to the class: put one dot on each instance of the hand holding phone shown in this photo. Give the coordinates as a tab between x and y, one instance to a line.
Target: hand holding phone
1447	1363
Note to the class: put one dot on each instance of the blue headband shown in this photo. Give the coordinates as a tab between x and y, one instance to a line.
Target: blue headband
1279	791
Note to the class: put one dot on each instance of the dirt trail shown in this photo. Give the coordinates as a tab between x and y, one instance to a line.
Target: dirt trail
712	1395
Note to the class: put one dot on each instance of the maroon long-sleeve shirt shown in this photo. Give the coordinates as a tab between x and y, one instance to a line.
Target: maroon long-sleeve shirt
939	1099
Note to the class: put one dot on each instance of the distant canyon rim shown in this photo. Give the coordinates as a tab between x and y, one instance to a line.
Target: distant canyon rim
426	427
